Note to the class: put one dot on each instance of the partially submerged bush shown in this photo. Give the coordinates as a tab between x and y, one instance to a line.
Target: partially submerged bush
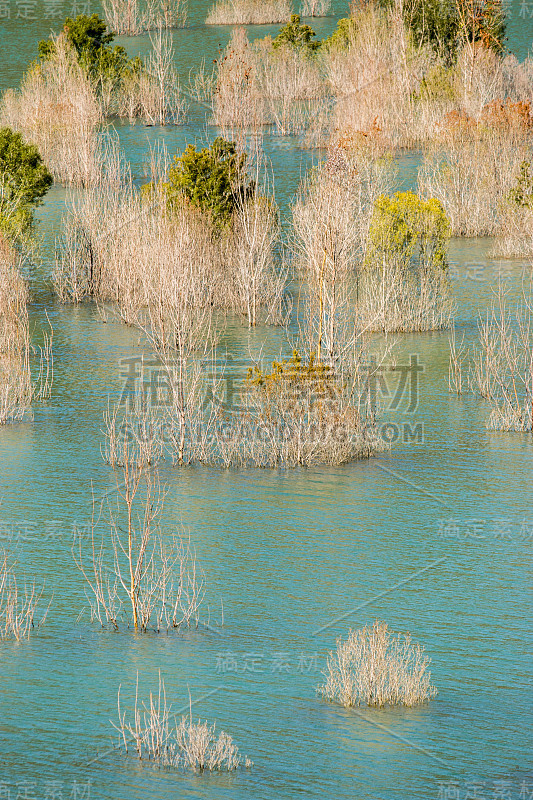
89	39
203	240
296	34
189	745
377	667
80	80
259	85
472	167
410	231
56	109
521	193
248	12
213	179
446	24
403	284
498	366
133	17
308	412
16	389
136	576
18	606
315	8
331	219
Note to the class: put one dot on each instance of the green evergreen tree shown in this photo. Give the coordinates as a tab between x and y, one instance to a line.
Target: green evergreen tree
212	179
89	38
24	180
297	35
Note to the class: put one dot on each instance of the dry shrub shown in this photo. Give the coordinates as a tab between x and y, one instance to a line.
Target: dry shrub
16	389
290	82
56	109
18	608
236	101
384	84
306	411
502	363
515	236
404	284
356	281
60	110
258	85
331	220
375	80
130	250
157	737
377	667
152	93
257	281
315	8
473	164
249	12
131	17
391	300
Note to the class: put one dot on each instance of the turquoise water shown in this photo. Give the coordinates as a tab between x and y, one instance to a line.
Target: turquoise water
433	536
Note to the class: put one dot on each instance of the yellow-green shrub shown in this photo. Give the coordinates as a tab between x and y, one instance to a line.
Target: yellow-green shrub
408	231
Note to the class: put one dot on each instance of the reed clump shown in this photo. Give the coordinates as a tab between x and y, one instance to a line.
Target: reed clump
376	667
155	735
249	12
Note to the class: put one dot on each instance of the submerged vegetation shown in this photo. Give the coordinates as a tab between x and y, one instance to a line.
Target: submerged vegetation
248	12
19	606
133	17
159	739
78	82
198	246
376	667
213	180
498	367
135	576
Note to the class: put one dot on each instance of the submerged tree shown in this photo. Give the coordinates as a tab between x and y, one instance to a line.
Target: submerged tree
296	34
212	179
446	24
89	38
135	575
408	230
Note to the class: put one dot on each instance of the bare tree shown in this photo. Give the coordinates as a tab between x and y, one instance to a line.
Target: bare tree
135	575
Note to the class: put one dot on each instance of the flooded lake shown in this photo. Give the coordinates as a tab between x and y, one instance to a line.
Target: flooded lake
433	535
